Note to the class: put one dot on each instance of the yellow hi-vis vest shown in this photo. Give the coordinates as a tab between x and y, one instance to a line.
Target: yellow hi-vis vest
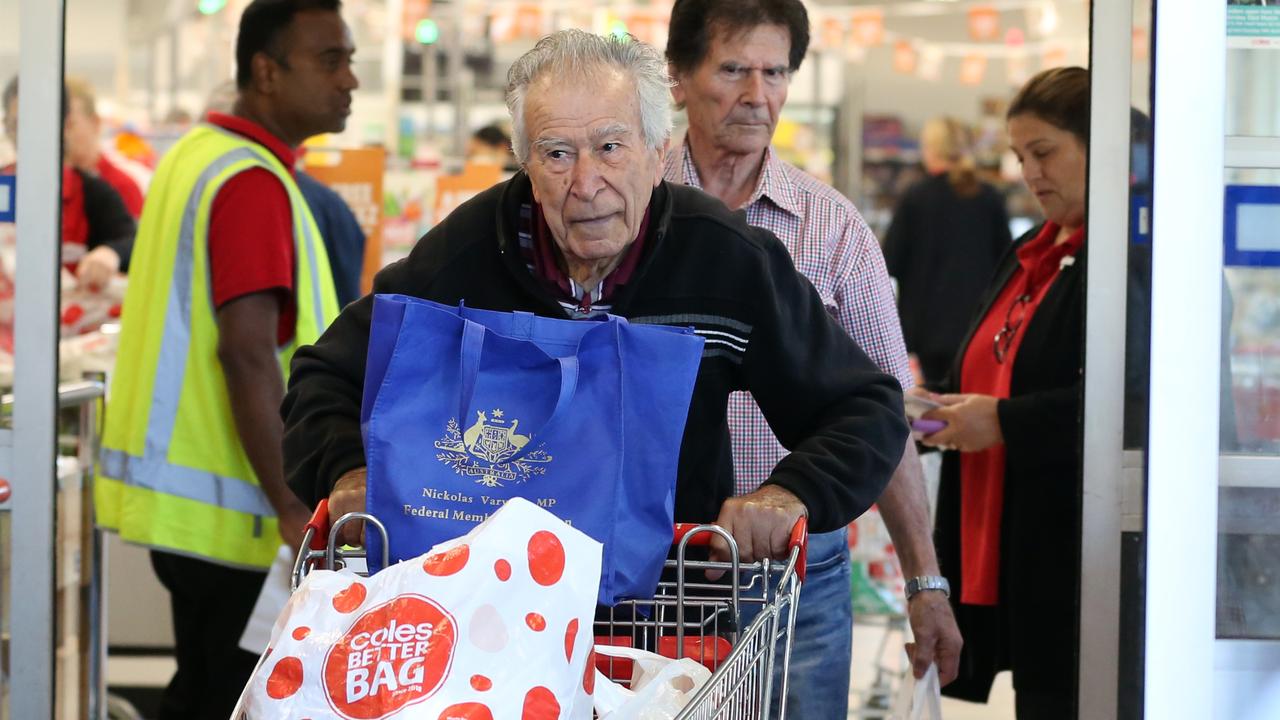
172	474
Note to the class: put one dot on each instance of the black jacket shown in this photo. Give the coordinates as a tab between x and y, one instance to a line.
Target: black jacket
942	248
109	220
703	266
1033	629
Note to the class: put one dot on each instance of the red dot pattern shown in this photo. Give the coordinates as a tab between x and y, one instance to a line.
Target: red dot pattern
448	562
350	599
301	632
570	636
546	558
589	675
536	622
481	683
502	569
540	704
285	678
467	711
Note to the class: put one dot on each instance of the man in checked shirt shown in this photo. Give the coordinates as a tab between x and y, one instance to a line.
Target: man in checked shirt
732	61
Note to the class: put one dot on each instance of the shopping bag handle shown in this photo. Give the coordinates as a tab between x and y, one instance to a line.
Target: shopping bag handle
473	334
799	540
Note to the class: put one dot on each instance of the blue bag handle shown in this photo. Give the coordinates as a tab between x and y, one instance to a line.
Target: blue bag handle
473	348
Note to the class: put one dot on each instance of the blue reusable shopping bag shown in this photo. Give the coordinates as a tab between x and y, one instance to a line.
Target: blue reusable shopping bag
464	409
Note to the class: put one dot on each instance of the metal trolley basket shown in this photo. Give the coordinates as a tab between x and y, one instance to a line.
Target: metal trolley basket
687	617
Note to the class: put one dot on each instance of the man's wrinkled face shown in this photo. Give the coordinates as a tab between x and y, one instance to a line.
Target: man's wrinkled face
591	170
734	97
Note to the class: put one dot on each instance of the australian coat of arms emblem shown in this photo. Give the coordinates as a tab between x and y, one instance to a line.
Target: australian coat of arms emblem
491	451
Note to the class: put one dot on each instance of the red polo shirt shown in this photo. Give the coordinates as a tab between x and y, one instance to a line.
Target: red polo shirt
251	229
982	473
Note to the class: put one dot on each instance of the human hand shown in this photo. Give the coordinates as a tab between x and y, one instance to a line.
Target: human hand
937	638
97	268
760	523
972	423
292	518
920	391
347	496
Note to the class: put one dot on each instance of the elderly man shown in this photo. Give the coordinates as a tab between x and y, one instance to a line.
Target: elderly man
589	226
732	61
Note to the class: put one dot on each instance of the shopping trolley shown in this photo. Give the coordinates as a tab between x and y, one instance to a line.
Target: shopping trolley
688	616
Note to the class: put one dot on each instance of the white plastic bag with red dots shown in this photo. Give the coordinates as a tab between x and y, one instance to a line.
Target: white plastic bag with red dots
493	625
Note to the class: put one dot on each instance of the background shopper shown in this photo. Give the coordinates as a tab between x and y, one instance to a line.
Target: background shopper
947	235
1009	505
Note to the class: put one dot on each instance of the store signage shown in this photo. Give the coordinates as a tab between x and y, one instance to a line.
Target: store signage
868	27
984	24
7	203
1251	216
356	175
1250	26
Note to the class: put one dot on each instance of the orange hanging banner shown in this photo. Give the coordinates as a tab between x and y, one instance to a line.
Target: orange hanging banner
648	26
831	34
529	21
412	13
868	27
904	57
1054	56
973	68
984	23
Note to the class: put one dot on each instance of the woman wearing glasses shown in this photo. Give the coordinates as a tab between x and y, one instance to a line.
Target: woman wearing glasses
1008	508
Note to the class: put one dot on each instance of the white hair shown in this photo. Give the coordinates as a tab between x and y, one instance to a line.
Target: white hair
575	53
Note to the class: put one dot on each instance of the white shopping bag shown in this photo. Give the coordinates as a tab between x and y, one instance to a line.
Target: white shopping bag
919	699
271	601
660	687
495	624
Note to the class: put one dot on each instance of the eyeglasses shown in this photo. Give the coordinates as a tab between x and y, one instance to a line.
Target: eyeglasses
1004	338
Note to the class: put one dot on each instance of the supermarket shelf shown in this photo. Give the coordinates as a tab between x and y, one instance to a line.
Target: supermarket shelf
1253	471
1244	152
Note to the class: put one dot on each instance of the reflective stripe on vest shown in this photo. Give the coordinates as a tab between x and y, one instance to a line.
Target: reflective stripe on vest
153	472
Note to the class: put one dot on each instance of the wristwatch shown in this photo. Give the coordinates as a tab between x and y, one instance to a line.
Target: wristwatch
921	583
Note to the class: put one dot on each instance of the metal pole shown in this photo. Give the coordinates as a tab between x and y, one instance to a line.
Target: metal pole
36	359
1186	299
1104	390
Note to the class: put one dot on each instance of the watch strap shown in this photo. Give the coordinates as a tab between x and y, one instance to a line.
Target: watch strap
921	583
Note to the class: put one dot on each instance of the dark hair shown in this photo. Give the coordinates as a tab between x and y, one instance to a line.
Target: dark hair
1060	97
261	27
693	23
11	94
492	135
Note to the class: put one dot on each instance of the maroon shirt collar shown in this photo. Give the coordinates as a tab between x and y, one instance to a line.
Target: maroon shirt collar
255	132
547	261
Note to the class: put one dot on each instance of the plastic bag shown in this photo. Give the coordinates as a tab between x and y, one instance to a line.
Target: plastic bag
495	624
919	699
660	686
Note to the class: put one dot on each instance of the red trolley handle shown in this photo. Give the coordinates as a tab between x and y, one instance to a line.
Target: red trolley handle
319	526
799	539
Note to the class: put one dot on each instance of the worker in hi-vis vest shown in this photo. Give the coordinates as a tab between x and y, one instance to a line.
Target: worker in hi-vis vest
229	275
